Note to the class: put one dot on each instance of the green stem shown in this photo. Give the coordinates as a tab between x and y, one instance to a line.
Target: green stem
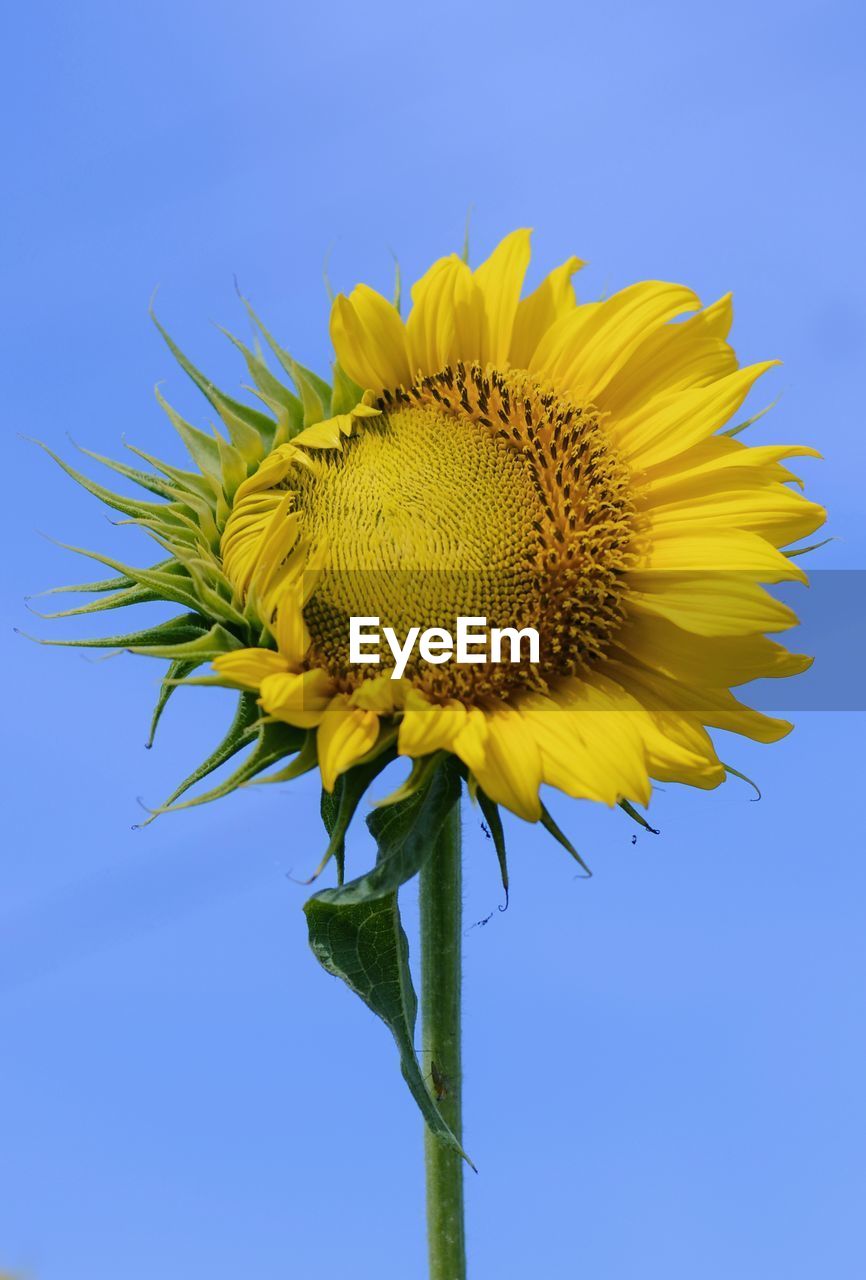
441	937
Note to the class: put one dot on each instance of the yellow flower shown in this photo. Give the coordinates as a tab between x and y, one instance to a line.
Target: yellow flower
526	460
537	463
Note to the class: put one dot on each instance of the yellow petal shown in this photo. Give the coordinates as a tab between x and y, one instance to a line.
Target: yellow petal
273	469
738	500
447	321
298	699
470	741
553	299
369	339
590	740
290	629
274	543
345	734
717	604
673	357
677	748
249	667
508	768
585	350
676	421
692	547
246	529
718	454
329	433
428	726
715	707
381	694
719	661
500	280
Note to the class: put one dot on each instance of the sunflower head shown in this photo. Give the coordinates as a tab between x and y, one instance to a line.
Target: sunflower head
525	459
558	470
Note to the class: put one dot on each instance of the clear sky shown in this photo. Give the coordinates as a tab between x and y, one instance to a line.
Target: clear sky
665	1064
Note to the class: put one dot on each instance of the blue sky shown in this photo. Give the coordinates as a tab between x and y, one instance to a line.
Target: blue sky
665	1063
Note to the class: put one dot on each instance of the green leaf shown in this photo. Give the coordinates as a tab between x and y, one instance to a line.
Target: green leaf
355	930
494	825
365	945
549	825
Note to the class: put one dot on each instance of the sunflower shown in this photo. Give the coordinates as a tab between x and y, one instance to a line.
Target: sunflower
544	466
534	462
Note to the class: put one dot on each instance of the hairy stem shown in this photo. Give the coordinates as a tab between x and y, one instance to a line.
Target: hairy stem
441	937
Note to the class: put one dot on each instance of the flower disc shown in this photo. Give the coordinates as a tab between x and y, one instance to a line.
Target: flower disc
475	494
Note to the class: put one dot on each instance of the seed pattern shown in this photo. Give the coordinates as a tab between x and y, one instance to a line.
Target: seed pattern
477	492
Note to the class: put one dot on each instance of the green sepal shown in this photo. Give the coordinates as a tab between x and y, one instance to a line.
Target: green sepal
273	742
494	825
131	595
419	775
211	589
233	467
801	551
346	394
315	392
132	507
405	834
203	647
201	447
118	583
144	479
307	759
248	428
273	391
398	286
311	398
628	807
549	825
729	768
184	628
338	809
185	484
464	252
177	672
741	426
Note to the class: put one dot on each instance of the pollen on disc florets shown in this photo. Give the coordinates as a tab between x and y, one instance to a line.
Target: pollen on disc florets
476	493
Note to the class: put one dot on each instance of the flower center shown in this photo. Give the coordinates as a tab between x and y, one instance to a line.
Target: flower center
475	494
